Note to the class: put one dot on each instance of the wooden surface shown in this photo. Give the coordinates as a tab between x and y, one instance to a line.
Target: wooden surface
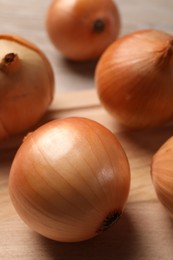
145	231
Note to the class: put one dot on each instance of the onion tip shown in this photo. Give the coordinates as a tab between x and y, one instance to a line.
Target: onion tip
109	221
10	63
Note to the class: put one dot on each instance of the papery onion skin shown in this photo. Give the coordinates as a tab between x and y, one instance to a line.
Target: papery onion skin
82	29
70	179
162	174
26	85
134	79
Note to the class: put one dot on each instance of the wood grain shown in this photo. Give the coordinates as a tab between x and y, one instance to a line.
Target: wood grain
145	231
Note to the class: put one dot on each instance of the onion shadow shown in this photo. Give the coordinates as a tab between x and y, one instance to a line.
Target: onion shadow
116	243
85	69
148	139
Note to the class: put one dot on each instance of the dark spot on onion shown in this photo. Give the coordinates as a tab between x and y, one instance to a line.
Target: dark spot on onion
9	57
98	26
109	221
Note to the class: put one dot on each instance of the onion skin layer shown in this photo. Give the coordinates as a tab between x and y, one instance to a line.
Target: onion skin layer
134	79
26	85
162	174
82	29
70	179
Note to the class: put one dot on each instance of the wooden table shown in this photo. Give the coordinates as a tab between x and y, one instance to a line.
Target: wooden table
145	231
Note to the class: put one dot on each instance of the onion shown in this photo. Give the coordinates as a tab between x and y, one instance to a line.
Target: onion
162	174
70	179
82	29
134	79
26	85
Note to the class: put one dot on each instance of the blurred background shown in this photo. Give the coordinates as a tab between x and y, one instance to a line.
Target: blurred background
27	19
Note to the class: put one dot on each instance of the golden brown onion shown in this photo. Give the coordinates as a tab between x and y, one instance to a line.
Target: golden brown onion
82	29
26	85
134	79
162	174
70	179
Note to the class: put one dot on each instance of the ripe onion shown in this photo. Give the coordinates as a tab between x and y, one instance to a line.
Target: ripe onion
162	174
26	85
70	179
82	29
135	81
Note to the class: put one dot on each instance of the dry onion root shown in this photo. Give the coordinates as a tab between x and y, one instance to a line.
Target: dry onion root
134	79
70	179
26	85
162	174
82	29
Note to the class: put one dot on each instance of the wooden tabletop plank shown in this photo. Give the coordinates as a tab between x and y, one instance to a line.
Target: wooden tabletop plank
145	231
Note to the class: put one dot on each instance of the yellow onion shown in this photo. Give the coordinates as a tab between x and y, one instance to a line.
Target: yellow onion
82	29
134	79
70	179
162	174
26	85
